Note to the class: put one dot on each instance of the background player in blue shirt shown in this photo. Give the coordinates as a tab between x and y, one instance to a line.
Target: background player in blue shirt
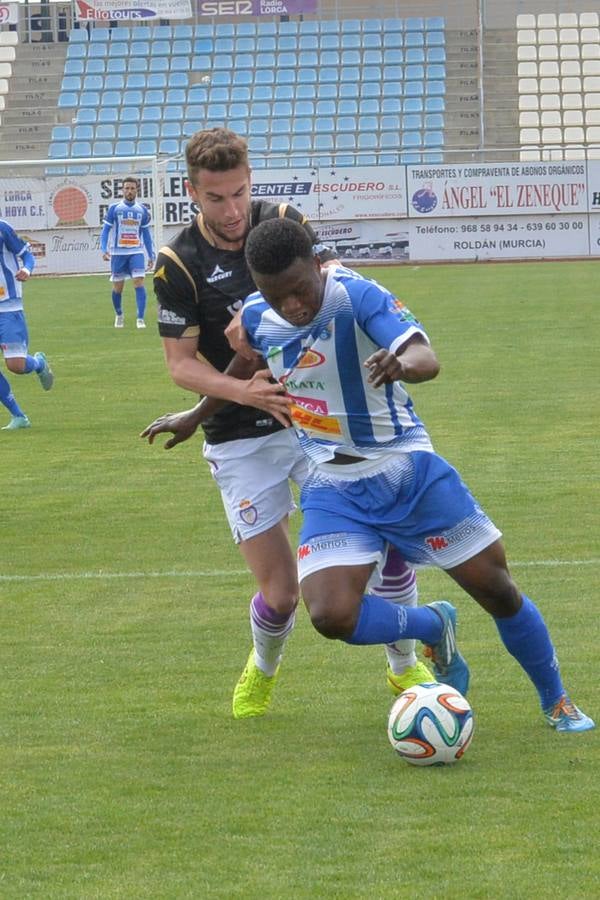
125	234
374	476
16	265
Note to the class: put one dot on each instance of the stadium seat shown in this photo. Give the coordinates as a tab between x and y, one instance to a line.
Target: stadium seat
183	32
105	114
390	39
390	123
81	148
343	124
435	39
58	150
83	132
301	143
97	51
151	114
304	91
124	148
435	104
76	51
70	83
154	97
280	143
435	88
162	32
372	25
433	157
146	130
412	122
114	82
303	108
345	141
111	98
414	39
367	140
369	106
411	139
350	75
266	76
78	35
102	148
268	92
89	98
347	106
155	64
116	66
127	130
132	98
74	66
160	48
414	88
389	106
395	88
436	55
61	133
171	129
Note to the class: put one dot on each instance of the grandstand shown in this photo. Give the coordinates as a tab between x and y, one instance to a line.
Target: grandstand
408	82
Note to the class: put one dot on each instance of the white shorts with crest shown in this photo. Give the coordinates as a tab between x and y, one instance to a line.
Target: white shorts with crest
253	476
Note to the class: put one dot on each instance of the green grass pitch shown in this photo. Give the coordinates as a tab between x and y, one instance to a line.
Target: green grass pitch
124	626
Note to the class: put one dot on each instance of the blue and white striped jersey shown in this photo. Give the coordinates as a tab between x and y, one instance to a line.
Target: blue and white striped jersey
15	253
126	229
322	367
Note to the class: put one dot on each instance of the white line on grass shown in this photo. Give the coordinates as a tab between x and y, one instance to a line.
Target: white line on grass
223	573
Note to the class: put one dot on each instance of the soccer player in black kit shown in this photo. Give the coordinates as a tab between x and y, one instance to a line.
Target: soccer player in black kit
201	280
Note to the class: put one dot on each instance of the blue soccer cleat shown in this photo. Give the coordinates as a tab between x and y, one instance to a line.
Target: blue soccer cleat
448	664
565	716
45	374
17	422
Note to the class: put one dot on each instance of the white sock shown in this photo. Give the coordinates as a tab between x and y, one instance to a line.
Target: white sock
269	633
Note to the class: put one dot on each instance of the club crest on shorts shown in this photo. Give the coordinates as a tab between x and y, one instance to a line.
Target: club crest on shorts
248	512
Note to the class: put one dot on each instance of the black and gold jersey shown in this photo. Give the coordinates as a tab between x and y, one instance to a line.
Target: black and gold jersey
199	288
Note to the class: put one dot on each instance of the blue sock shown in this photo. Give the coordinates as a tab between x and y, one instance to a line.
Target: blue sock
382	622
32	365
525	636
7	398
116	302
140	299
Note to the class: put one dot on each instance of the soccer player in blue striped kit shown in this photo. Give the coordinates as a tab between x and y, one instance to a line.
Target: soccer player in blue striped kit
16	265
127	228
373	474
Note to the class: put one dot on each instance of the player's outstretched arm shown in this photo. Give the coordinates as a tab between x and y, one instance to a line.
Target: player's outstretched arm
413	362
181	425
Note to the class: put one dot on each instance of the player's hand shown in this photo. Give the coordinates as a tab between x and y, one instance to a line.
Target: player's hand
22	275
106	257
260	391
181	425
150	265
385	368
237	337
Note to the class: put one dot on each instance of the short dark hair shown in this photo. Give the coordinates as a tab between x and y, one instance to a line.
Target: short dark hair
131	179
215	149
273	246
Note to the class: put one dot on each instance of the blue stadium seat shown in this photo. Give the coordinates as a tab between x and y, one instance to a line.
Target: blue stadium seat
305	91
83	132
157	64
414	24
258	127
268	92
392	39
118	49
373	88
287	28
171	129
373	41
369	106
157	80
308	41
216	111
121	33
309	26
240	93
347	107
71	83
434	121
281	108
395	88
391	106
61	133
239	126
126	130
124	148
97	51
414	73
265	60
162	32
367	140
394	73
345	124
146	130
180	64
95	66
223	61
105	132
105	114
303	108
393	25
414	39
412	121
89	98
302	125
281	125
413	105
257	144
389	123
435	104
160	48
349	90
202	31
154	97
114	82
280	143
345	141
433	157
243	61
410	158
266	45
177	80
78	35
366	159
246	29
414	55
74	67
132	98
203	47
81	148
224	45
103	148
351	26
286	42
58	150
435	88
245	45
372	25
368	124
411	139
329	42
182	48
351	42
151	114
226	29
242	78
330	58
190	126
326	108
414	88
353	57
436	55
436	72
183	31
371	73
375	57
435	39
301	142
97	34
76	51
141	33
389	140
433	139
324	125
135	81
176	95
435	23
116	66
330	26
260	110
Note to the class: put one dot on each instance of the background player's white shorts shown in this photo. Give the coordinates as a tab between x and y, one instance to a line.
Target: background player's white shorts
253	477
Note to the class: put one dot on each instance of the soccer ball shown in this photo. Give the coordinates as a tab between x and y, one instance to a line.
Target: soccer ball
430	725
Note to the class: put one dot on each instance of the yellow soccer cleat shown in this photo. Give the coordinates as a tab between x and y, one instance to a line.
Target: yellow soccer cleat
252	693
417	674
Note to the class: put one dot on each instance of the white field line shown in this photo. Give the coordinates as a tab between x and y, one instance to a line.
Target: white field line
224	573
